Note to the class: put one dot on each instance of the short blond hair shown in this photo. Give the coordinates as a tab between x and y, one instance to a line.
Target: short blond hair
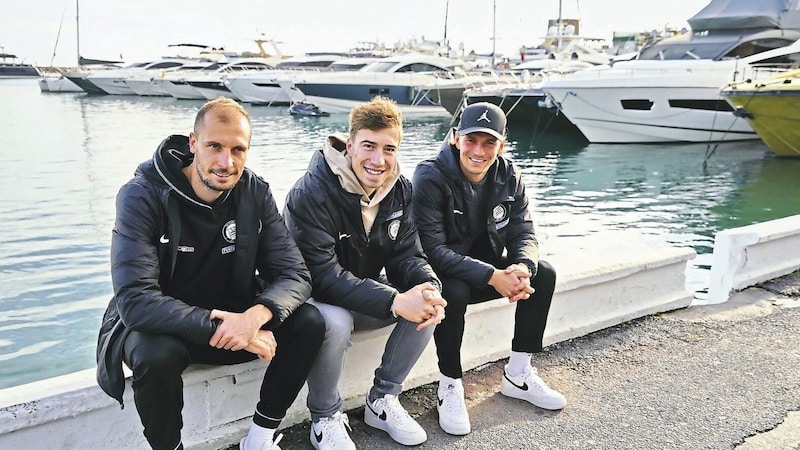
225	108
377	114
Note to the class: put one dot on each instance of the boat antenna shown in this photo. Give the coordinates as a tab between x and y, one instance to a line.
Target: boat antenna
560	29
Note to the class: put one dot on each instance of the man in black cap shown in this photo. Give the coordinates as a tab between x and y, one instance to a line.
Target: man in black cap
470	207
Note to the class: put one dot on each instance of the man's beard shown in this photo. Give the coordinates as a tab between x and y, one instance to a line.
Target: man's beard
209	183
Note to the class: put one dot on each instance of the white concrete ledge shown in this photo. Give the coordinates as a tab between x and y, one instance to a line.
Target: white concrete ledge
749	255
71	412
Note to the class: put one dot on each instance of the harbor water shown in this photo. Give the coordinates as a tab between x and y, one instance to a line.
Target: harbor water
66	155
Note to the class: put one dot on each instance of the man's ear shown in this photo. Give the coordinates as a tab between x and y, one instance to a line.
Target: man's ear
192	142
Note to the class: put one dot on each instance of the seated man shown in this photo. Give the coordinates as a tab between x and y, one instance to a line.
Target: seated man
205	271
472	212
351	219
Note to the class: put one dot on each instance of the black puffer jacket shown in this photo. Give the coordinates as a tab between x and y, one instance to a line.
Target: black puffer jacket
444	205
144	249
345	263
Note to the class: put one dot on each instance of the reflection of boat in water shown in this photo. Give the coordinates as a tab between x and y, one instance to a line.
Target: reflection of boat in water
772	107
307	109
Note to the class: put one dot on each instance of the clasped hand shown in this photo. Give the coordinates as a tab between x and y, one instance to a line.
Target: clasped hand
422	304
513	282
242	331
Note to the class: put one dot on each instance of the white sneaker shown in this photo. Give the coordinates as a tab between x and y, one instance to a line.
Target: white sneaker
274	446
388	414
533	389
331	433
453	415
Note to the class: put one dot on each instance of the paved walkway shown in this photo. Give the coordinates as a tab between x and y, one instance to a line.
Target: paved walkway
706	377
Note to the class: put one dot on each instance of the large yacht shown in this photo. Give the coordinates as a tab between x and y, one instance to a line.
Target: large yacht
671	91
10	67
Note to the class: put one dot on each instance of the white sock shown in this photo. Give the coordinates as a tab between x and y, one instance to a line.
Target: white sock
445	381
518	363
258	437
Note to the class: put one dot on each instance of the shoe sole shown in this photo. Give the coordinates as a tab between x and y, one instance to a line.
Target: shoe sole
375	422
455	430
512	392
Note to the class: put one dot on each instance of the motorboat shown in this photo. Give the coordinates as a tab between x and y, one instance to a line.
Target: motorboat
262	88
671	91
771	105
150	83
409	78
210	85
307	109
52	80
11	67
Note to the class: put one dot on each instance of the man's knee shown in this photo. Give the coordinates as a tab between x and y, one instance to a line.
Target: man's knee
545	274
455	292
310	321
155	354
338	323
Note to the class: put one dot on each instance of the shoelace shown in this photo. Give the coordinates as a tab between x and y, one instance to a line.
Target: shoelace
331	423
396	409
451	404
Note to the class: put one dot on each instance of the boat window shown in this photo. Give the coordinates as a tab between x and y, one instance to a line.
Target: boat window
637	104
165	65
379	66
684	50
756	47
704	105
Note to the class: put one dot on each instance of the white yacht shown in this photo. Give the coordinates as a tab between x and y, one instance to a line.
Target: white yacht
408	78
671	91
262	87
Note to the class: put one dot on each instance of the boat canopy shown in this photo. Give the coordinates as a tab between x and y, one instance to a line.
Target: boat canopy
739	14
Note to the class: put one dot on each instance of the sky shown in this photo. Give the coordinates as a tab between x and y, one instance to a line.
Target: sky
141	29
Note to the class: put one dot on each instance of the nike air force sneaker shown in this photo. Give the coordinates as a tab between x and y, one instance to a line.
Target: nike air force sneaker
453	415
330	433
272	446
531	388
387	414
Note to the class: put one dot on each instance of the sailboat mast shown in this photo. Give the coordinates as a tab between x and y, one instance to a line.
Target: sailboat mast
446	12
78	31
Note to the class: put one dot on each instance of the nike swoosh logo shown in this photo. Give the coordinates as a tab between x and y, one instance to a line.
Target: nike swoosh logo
382	415
318	437
163	239
343	236
455	211
524	386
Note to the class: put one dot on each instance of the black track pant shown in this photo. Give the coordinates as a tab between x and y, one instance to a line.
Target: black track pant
157	361
529	321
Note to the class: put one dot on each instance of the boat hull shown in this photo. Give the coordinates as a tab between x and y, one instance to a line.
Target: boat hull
774	114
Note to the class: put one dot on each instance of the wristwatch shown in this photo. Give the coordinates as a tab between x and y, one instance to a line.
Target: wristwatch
393	308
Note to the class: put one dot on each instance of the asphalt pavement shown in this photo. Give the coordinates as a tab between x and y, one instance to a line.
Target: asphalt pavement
705	377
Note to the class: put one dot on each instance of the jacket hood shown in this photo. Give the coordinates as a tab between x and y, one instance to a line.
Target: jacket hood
171	156
334	150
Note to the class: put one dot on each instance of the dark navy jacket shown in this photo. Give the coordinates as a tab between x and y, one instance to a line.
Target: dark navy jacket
144	250
444	204
345	263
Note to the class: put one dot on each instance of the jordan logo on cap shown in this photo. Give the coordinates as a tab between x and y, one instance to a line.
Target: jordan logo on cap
483	117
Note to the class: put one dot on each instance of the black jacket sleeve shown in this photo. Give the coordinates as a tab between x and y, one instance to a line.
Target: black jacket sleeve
135	271
433	205
313	228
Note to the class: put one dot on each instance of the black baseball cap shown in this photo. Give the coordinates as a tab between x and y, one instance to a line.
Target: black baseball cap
483	117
